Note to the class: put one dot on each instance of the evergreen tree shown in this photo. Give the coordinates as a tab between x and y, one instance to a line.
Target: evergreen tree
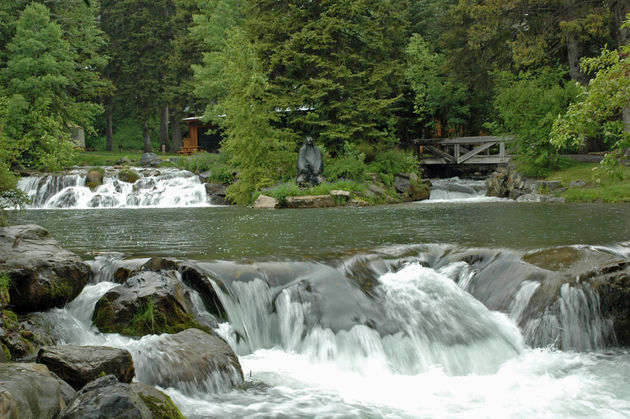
336	68
140	34
40	110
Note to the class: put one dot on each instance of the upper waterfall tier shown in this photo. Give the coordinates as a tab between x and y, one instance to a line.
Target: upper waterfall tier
161	188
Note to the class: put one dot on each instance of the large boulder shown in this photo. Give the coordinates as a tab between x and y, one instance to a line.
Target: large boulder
94	178
310	201
42	274
147	303
29	391
106	397
192	361
149	159
78	365
264	201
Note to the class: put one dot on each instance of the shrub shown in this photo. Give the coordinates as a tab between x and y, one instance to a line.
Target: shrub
350	165
217	165
527	106
393	162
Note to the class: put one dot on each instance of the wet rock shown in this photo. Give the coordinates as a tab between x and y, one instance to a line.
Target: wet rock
28	391
106	397
554	259
402	182
264	201
418	192
160	404
191	361
42	274
78	365
149	159
94	178
217	193
148	303
310	201
128	175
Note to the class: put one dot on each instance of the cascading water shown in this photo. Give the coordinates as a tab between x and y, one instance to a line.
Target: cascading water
156	188
459	190
409	341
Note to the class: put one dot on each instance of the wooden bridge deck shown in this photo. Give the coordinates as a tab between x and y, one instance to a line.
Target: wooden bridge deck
463	150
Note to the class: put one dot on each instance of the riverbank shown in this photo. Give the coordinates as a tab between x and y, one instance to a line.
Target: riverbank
585	182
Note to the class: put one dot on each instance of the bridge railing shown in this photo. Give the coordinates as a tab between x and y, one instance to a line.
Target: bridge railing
464	150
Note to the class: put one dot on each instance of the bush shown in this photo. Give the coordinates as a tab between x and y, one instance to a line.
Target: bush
350	165
527	106
217	165
393	162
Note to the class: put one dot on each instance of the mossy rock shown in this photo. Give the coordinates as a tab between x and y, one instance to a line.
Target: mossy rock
553	259
94	178
148	303
160	404
128	175
418	191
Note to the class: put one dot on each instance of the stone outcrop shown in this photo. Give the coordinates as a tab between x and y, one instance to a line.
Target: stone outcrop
192	360
106	397
94	178
217	193
78	365
42	274
506	182
264	201
160	404
29	391
149	159
310	201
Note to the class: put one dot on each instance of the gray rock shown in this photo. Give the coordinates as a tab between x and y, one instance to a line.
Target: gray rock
191	361
78	365
159	403
163	293
341	197
106	398
531	197
577	184
402	183
310	201
264	201
28	391
149	159
43	275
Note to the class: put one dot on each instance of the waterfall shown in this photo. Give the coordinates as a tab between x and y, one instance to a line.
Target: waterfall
433	322
459	190
157	188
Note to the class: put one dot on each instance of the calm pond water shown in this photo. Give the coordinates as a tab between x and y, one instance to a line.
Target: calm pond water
240	233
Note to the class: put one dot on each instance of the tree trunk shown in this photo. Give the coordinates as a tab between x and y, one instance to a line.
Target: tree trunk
109	130
145	137
176	134
574	47
164	143
620	9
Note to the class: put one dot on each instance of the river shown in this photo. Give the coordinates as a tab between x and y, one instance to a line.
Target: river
439	332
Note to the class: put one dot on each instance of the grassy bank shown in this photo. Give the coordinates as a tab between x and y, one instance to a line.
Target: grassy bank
597	186
109	158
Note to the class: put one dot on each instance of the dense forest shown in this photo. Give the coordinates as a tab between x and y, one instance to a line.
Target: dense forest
363	77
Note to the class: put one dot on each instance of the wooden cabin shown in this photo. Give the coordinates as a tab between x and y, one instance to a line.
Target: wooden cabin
201	136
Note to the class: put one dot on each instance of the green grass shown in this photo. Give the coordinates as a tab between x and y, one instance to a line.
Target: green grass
598	188
4	289
108	158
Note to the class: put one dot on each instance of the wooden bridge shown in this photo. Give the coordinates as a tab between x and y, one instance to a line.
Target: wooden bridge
463	150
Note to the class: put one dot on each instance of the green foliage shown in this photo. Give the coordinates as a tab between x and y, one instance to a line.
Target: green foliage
436	94
526	107
348	165
392	162
5	281
284	190
143	322
127	134
259	151
216	164
598	110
